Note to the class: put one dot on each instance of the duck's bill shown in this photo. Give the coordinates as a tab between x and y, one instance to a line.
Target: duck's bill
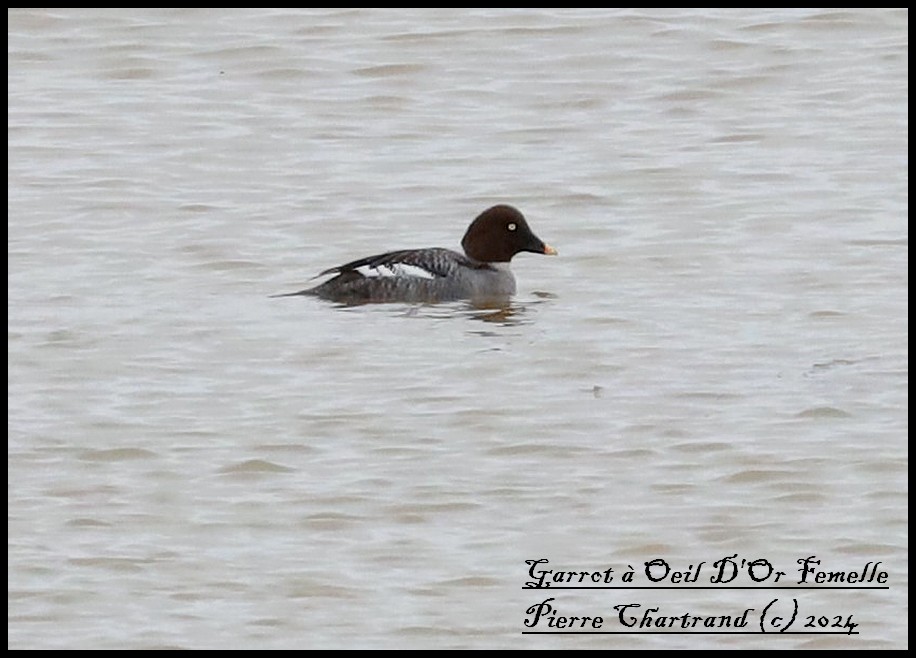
550	251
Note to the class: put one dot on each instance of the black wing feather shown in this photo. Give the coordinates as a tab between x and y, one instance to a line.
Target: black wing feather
436	261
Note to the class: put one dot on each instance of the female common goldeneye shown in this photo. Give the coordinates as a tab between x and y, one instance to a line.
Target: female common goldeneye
436	274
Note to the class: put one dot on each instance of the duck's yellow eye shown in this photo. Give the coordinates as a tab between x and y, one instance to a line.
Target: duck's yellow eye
512	226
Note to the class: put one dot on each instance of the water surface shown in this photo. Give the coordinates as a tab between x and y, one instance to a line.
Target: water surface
716	364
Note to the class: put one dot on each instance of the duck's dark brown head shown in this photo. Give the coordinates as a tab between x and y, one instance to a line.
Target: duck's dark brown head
498	234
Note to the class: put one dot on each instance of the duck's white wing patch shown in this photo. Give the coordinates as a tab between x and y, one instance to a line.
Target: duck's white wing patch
372	272
395	270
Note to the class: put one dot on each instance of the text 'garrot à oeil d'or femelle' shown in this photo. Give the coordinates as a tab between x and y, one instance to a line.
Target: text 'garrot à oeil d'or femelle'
725	571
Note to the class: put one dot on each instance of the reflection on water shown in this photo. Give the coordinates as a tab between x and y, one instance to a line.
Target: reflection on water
507	316
503	312
508	313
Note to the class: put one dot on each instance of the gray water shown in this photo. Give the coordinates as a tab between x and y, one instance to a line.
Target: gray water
716	363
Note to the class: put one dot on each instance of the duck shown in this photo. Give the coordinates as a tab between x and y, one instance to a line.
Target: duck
480	272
